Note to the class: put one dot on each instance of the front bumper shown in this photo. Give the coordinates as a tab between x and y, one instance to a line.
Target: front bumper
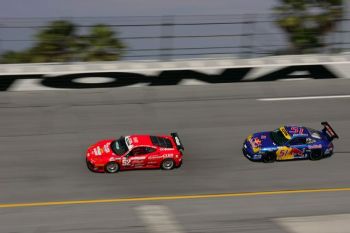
92	167
250	156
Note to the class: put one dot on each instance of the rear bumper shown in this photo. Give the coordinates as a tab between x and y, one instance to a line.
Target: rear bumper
328	153
178	163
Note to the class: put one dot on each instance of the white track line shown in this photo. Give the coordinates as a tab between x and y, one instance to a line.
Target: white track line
305	98
339	223
158	219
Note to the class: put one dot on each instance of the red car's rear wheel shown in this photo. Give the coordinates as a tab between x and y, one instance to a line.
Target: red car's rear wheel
168	164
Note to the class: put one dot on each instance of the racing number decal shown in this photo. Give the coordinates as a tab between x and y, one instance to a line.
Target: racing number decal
297	130
284	153
126	162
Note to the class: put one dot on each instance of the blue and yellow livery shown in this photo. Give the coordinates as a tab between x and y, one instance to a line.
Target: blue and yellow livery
289	143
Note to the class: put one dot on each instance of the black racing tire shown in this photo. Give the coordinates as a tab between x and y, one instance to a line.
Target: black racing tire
112	167
269	157
316	155
168	164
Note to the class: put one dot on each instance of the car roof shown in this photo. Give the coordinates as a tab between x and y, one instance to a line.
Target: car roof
148	140
139	140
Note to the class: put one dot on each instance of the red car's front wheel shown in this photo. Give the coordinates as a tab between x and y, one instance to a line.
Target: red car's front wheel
112	167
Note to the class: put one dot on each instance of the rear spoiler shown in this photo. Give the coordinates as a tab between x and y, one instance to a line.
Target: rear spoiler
177	141
328	131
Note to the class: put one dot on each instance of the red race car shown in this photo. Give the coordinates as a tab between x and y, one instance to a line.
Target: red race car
135	152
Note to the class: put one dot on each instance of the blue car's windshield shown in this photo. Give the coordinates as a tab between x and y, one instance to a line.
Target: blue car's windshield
278	137
119	146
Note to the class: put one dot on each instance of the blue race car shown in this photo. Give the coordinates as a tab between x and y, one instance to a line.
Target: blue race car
290	143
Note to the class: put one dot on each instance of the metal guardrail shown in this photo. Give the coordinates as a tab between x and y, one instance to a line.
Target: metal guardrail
174	37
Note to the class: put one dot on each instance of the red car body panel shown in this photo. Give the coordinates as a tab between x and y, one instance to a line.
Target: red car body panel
101	153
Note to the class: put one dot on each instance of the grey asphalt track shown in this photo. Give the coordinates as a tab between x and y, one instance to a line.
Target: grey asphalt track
43	137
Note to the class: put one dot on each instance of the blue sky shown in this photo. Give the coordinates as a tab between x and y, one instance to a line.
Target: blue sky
100	8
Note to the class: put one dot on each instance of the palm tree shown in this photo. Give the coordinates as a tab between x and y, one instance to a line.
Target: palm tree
59	42
306	22
101	45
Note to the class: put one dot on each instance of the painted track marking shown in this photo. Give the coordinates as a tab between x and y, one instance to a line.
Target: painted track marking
158	219
306	98
339	223
178	197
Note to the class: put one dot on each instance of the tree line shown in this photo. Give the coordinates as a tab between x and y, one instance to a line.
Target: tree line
305	22
60	42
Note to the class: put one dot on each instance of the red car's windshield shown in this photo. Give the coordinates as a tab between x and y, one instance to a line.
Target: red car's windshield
119	146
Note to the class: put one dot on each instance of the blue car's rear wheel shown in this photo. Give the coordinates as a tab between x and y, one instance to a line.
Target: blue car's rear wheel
316	155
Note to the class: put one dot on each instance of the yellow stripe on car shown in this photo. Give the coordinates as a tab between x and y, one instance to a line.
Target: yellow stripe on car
285	133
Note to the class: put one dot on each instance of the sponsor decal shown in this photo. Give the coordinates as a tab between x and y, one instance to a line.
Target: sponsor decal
167	77
318	146
106	148
97	151
296	152
156	157
330	131
316	135
255	143
135	139
177	140
257	156
285	133
165	149
168	155
128	142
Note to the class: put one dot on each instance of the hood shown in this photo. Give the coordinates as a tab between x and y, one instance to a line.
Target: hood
101	148
260	140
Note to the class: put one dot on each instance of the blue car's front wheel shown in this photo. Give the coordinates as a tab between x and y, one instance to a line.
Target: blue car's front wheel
269	157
